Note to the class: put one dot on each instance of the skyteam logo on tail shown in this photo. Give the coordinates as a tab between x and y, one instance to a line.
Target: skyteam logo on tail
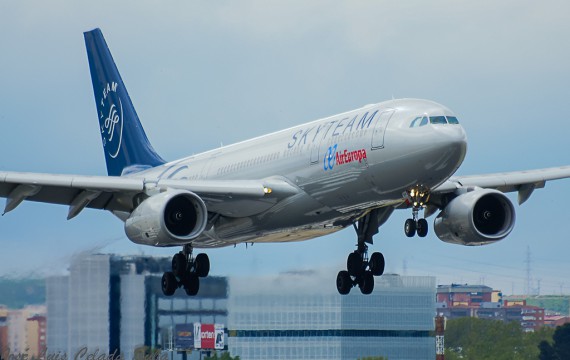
111	119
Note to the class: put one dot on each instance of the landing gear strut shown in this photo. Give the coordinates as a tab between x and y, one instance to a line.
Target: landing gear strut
360	269
186	272
419	197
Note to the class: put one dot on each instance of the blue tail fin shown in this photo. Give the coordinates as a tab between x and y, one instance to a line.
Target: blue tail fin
126	146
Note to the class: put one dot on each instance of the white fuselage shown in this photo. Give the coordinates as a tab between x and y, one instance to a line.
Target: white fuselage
345	165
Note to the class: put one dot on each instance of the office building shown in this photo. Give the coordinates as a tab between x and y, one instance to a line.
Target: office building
298	316
114	304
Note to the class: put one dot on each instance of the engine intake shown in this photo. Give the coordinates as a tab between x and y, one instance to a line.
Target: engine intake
479	217
170	218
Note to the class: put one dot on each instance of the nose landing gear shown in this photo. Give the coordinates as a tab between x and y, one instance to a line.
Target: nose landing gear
419	196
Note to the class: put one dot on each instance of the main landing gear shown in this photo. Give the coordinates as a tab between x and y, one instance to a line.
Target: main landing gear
360	269
419	197
186	272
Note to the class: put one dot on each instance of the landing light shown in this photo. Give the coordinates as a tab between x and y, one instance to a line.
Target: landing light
267	190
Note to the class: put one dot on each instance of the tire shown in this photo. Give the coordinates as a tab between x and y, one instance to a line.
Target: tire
410	228
343	282
422	227
179	264
367	283
169	283
191	284
377	264
202	265
354	264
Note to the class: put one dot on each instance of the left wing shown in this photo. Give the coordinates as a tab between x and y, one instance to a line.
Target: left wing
120	193
524	182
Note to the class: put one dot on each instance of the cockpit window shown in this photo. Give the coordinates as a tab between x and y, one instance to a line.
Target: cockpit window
419	121
437	120
452	120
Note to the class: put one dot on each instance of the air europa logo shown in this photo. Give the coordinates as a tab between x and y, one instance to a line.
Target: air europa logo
111	119
334	157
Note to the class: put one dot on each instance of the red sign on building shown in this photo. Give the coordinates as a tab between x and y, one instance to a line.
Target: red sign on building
208	336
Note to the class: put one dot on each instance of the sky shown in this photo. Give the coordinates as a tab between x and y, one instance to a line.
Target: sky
201	74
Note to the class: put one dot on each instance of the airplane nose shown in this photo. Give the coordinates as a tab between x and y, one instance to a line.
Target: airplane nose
457	139
453	135
451	146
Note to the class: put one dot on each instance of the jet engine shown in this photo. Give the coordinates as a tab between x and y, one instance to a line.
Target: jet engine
172	217
478	217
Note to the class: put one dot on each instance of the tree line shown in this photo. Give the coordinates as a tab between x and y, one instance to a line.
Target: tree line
481	339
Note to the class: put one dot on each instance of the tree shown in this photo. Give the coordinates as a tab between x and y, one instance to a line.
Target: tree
560	348
225	356
546	351
481	339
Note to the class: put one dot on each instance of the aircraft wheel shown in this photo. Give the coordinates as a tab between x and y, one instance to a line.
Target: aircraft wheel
191	284
354	264
343	282
410	228
377	264
422	227
367	283
202	265
179	264
169	283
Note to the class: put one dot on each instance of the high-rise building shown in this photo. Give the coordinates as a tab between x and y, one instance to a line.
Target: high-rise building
296	316
114	305
57	303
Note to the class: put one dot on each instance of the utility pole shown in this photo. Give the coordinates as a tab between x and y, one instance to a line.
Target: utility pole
528	277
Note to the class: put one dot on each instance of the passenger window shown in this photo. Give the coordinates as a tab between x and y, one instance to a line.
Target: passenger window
452	120
437	120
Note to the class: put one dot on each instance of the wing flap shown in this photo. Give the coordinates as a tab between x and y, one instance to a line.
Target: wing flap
227	197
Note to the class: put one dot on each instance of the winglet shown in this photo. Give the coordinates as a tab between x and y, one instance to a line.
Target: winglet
125	143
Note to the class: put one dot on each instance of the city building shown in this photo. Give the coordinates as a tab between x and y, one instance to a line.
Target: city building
456	301
554	321
299	316
114	305
36	336
455	295
3	329
24	329
553	304
57	304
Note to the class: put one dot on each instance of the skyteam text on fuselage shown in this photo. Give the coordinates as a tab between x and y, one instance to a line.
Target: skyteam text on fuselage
351	169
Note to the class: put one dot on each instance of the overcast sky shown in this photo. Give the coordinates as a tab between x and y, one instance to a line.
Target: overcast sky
205	73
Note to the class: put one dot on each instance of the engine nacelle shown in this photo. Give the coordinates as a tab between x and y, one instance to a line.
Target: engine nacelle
173	217
479	217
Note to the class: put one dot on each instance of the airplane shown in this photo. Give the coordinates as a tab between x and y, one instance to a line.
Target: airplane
353	169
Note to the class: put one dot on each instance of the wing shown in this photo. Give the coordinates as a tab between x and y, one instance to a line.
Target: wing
119	194
524	182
